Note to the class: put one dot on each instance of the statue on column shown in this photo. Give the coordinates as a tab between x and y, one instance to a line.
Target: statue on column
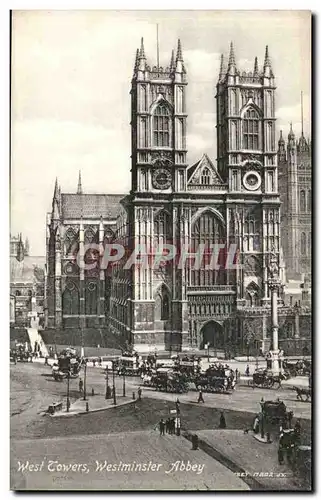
273	265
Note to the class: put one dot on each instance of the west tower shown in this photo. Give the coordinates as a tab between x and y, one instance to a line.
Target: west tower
247	163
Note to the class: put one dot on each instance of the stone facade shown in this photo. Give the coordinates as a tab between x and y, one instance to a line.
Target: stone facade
172	204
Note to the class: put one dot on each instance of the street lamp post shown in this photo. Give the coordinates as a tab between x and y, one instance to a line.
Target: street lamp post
107	394
262	418
114	389
85	379
68	392
207	346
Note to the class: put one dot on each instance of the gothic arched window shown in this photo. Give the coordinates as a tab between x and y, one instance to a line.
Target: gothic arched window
165	307
251	129
303	244
309	201
205	176
252	231
161	126
69	240
91	298
206	231
161	228
70	300
302	201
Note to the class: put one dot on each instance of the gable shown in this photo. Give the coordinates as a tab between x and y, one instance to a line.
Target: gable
203	173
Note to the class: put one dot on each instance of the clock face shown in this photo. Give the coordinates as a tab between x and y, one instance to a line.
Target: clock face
252	180
162	178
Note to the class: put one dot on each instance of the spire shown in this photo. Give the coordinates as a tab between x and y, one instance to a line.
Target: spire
141	57
79	188
291	133
220	77
231	61
56	189
179	67
172	64
267	67
281	140
256	67
142	50
179	56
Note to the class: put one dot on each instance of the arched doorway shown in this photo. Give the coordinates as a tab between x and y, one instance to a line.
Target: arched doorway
212	333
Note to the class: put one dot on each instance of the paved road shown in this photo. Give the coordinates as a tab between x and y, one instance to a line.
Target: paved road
157	452
36	438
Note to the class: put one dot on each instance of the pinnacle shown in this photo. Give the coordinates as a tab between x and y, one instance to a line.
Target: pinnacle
79	188
256	66
267	61
172	64
231	62
179	56
142	50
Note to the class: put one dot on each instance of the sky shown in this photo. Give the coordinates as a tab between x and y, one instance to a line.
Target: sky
70	83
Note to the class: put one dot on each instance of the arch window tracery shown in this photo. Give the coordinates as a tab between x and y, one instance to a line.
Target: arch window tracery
161	126
251	129
205	176
206	231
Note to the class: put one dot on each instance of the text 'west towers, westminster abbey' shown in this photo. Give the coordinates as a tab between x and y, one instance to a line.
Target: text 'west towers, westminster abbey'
257	196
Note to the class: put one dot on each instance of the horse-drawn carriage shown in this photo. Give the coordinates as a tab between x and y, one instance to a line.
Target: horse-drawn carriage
266	378
275	412
215	379
129	366
68	364
295	368
169	381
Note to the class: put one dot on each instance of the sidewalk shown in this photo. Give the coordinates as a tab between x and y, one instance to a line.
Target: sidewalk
95	403
259	461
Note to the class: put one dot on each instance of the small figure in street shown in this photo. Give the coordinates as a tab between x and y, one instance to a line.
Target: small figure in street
247	371
162	427
139	392
177	403
236	375
81	385
200	397
172	426
167	425
99	361
222	421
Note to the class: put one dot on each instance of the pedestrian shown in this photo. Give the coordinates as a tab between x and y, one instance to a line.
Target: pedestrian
99	361
161	427
139	392
172	426
167	425
222	421
200	397
81	385
177	403
247	371
236	375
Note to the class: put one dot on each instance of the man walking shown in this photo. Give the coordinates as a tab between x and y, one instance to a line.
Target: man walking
200	397
162	427
81	385
139	392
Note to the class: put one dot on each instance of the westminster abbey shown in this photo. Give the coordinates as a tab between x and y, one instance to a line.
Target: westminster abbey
233	201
